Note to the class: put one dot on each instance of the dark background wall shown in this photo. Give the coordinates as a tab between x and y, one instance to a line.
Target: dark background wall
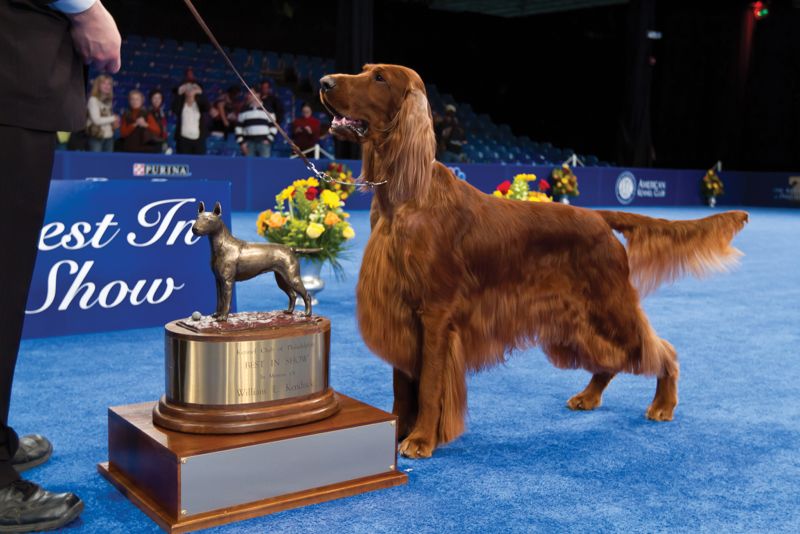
562	77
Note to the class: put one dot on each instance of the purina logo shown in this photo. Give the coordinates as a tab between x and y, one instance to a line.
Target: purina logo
158	169
626	187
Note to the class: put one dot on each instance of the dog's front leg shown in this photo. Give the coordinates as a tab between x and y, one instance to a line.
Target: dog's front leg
218	285
406	391
226	291
422	440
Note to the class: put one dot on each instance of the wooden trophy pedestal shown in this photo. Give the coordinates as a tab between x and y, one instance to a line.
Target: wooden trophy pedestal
185	482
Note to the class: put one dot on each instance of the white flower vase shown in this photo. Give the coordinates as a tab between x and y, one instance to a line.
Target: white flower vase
310	275
564	199
712	201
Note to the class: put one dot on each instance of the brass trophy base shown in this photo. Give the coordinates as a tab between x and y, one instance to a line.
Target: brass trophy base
256	371
215	420
186	482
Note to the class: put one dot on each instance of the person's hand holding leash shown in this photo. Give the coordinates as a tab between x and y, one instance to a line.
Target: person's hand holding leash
96	37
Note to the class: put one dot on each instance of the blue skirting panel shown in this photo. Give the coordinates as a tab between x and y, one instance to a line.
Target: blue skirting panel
257	181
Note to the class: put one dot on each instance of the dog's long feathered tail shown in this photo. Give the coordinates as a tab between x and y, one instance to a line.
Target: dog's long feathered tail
661	251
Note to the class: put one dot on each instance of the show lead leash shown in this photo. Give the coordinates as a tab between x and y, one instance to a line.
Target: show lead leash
323	176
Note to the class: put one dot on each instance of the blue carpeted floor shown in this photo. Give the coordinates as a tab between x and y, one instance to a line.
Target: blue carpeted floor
730	462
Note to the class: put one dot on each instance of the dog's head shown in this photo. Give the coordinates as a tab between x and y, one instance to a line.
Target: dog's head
207	222
371	103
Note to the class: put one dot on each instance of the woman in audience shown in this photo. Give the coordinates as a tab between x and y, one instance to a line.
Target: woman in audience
101	121
306	128
138	129
157	111
191	130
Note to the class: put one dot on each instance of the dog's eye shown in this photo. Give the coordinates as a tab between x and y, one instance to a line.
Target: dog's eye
379	78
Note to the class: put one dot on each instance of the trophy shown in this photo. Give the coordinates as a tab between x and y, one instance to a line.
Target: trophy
248	424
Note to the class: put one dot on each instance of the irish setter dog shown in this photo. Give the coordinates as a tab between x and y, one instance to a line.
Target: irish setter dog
453	279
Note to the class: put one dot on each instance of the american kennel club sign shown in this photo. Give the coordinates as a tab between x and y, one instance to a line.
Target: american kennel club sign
120	254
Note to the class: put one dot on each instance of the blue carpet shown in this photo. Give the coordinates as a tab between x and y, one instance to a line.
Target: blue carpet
730	462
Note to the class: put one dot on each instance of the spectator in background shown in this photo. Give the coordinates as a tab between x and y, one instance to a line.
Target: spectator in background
451	137
271	101
306	128
225	111
157	111
138	130
101	121
190	105
255	129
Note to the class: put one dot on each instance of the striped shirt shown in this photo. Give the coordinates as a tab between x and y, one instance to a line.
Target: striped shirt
255	125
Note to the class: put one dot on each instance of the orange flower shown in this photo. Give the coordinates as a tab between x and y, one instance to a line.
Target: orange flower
276	220
331	218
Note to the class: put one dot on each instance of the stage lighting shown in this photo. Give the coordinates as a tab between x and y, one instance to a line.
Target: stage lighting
760	10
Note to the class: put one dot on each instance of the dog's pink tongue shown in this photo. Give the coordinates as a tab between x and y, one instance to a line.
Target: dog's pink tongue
344	121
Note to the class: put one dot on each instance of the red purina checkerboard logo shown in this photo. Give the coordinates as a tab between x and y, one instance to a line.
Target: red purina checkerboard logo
161	169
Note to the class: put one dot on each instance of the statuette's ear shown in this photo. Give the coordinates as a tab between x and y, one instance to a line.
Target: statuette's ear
201	208
218	208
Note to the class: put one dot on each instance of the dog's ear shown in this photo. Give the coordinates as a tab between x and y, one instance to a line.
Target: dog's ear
411	148
218	209
201	208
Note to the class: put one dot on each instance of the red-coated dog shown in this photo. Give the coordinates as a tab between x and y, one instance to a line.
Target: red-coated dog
452	279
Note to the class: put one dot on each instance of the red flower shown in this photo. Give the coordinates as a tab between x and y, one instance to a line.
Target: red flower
504	187
543	185
311	193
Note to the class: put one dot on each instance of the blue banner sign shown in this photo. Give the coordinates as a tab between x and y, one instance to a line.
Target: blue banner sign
256	181
121	254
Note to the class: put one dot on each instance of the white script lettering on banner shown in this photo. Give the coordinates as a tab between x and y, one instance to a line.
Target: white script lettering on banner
162	225
118	288
157	221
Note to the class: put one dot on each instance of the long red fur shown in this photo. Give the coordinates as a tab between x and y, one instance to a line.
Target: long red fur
455	279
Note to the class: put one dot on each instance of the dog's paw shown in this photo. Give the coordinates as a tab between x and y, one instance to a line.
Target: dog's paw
582	401
660	412
416	448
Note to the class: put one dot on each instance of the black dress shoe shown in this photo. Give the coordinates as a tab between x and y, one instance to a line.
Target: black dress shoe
33	450
26	507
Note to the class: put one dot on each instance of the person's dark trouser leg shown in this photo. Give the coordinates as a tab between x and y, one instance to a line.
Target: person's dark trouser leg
26	162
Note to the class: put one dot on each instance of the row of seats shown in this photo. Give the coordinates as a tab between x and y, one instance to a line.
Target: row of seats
150	62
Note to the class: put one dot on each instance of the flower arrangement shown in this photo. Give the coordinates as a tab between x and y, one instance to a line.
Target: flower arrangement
341	173
711	185
565	183
308	217
520	189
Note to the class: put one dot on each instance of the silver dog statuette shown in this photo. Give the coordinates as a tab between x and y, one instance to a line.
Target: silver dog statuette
233	260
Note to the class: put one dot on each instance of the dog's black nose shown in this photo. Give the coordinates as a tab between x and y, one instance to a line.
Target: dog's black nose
327	83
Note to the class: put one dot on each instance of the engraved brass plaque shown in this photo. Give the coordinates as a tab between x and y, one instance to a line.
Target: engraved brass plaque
245	372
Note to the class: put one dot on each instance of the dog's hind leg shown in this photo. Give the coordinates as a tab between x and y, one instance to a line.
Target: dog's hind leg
666	398
405	407
591	397
301	289
286	288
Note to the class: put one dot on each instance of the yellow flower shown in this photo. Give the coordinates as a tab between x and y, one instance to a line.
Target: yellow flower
497	193
276	220
348	232
564	180
330	198
331	218
314	230
312	182
286	194
344	196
